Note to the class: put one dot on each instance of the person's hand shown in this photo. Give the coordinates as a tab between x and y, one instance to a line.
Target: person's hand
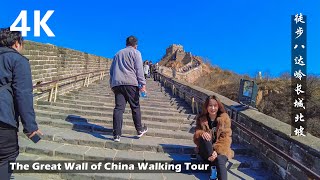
30	135
143	88
213	156
206	136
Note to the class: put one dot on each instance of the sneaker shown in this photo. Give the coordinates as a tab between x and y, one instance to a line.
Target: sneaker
116	138
143	131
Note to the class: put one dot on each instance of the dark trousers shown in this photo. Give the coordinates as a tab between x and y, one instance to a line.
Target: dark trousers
124	94
154	76
9	151
205	151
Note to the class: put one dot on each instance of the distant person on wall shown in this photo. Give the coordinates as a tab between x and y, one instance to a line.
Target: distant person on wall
213	135
16	98
126	74
155	71
146	69
151	69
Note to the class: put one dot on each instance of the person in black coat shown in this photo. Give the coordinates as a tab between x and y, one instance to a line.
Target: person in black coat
16	98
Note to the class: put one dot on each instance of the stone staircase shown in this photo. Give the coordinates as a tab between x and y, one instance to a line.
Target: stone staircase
79	127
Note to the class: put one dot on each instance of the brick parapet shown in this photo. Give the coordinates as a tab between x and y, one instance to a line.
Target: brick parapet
49	62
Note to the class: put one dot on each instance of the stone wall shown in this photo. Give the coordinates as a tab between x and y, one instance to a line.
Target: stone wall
173	48
180	55
49	62
189	76
187	58
305	150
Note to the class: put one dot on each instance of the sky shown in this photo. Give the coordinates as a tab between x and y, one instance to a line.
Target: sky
243	36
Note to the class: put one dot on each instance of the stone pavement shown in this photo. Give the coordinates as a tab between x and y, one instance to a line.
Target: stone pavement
79	127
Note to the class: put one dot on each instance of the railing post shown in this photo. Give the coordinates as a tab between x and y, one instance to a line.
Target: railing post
197	106
192	104
85	81
56	92
172	89
88	80
51	94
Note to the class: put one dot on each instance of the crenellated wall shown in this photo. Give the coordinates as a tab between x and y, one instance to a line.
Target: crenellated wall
189	76
305	150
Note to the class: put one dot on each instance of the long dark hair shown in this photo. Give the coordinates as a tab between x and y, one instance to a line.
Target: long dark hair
204	113
221	108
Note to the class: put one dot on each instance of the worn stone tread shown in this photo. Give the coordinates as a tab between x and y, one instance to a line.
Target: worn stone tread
106	128
188	125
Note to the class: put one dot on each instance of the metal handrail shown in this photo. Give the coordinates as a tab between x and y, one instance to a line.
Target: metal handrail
278	151
302	167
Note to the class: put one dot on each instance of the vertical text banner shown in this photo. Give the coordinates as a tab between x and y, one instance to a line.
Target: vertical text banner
298	74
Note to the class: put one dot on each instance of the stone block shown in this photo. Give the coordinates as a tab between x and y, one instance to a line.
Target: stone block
277	159
297	173
100	154
112	176
72	152
43	147
279	171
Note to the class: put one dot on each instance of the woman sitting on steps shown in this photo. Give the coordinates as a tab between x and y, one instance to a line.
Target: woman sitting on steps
213	135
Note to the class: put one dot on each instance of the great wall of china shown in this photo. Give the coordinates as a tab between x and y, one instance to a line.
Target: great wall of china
173	104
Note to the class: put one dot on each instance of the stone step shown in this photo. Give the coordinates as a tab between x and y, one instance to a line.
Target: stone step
103	128
161	101
109	114
144	110
105	84
111	100
106	92
82	152
233	174
93	176
146	143
35	176
61	136
108	120
70	152
101	90
181	109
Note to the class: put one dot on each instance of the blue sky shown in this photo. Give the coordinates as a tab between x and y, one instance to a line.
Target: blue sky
244	36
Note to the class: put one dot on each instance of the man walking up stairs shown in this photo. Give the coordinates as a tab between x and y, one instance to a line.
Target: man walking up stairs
126	74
